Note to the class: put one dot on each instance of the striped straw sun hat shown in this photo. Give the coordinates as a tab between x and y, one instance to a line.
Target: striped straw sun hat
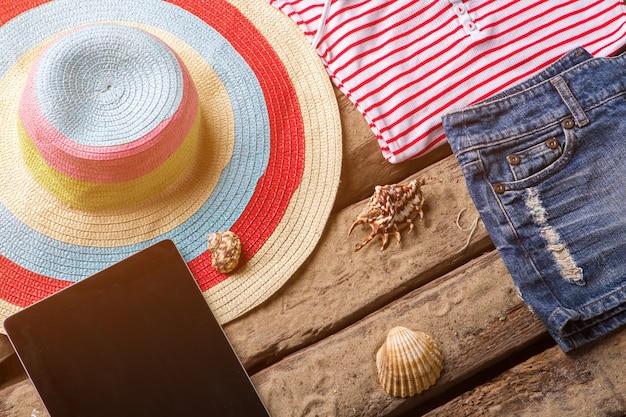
123	123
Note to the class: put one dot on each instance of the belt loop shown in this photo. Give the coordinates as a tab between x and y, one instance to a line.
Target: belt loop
570	100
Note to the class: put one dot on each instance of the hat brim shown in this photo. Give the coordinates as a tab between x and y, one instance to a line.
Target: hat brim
267	168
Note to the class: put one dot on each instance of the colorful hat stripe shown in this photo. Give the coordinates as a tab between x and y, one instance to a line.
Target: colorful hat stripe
252	151
287	149
267	164
251	231
17	8
102	159
105	195
30	286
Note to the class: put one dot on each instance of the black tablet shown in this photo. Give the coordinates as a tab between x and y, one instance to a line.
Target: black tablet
136	339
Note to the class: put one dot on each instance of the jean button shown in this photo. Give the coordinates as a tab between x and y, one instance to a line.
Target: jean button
514	159
567	123
499	188
552	143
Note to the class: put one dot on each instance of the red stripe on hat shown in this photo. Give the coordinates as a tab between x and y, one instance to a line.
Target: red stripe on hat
282	177
22	287
286	163
17	8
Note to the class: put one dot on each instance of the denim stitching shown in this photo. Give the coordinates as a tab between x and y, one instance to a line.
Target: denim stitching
570	100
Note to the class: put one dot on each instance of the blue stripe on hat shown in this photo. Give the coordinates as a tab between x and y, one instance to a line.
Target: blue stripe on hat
26	247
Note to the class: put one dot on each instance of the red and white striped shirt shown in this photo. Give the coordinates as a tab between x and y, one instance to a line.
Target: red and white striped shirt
405	63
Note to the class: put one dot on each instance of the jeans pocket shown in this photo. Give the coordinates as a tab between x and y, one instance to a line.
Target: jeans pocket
536	156
533	159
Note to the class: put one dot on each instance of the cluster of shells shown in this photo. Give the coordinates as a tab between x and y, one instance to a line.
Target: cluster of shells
408	363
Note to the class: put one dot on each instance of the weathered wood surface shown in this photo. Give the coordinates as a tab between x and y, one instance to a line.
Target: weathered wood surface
21	400
337	286
473	312
363	165
590	382
311	346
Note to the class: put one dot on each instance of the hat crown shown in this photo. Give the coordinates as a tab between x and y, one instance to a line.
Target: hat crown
114	110
108	84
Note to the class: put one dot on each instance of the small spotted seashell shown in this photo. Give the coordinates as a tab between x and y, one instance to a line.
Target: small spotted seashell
408	363
225	250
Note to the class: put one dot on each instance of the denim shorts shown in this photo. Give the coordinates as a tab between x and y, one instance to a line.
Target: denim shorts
545	164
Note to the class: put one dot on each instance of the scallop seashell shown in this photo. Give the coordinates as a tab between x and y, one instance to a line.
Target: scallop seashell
225	250
408	363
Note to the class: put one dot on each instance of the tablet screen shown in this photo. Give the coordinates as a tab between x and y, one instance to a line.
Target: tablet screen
136	339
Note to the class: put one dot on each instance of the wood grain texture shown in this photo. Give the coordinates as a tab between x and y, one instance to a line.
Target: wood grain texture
11	369
473	312
363	165
589	382
337	287
21	400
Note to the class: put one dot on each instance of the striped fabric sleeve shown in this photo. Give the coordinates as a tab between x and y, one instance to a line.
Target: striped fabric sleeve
405	63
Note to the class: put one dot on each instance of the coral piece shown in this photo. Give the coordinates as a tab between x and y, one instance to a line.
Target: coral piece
408	363
225	250
389	207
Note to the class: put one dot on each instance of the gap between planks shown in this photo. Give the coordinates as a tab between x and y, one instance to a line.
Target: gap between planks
336	286
473	312
588	382
363	163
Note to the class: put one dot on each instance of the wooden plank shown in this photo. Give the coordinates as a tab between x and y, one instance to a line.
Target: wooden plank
21	400
337	286
363	165
11	369
5	347
588	382
474	313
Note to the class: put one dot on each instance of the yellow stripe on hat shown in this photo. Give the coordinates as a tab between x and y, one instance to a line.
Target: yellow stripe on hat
109	228
109	196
